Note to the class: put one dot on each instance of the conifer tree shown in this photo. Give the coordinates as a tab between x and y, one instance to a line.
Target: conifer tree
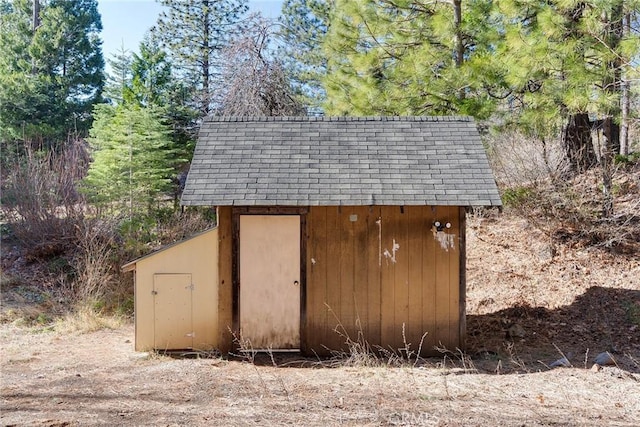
118	83
406	57
151	73
144	80
133	158
154	84
563	62
51	67
304	25
194	32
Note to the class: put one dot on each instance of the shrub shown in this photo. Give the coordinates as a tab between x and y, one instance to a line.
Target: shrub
98	283
40	200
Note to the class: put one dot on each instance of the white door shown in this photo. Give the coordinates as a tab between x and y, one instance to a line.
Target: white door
270	281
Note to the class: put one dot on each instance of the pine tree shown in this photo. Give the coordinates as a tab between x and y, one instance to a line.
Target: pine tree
194	32
51	67
118	84
23	101
154	84
133	158
406	58
151	73
145	80
304	25
563	62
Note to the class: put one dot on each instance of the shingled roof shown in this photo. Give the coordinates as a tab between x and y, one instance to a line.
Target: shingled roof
311	161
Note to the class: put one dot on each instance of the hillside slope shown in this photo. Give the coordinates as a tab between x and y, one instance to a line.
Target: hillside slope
535	291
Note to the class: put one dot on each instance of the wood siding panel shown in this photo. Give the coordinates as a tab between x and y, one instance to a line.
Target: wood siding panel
346	311
225	280
415	216
401	276
387	279
374	264
454	279
442	290
416	284
462	268
360	272
429	281
447	275
334	300
395	276
316	319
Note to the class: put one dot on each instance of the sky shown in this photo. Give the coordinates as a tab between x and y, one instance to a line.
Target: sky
124	22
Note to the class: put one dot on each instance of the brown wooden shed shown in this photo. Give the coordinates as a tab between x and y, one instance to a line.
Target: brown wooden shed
332	229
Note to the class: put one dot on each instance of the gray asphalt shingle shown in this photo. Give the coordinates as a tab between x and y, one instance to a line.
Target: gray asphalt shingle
312	161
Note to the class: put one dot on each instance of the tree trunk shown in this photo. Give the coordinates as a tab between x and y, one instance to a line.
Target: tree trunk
625	98
577	143
206	58
35	24
610	133
624	118
457	23
458	41
613	85
36	15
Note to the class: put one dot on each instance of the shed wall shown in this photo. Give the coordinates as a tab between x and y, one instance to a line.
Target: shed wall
384	275
226	323
198	257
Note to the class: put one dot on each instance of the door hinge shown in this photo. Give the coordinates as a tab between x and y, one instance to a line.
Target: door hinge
154	292
191	286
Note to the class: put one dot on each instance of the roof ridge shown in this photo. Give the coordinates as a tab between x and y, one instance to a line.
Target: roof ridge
338	118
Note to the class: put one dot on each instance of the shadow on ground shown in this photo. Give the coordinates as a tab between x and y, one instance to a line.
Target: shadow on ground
529	339
524	339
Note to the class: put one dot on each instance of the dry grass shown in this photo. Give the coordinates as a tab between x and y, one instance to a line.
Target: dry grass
97	379
23	304
358	352
86	319
29	307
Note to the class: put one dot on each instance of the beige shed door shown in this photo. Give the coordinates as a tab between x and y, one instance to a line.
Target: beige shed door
172	310
270	281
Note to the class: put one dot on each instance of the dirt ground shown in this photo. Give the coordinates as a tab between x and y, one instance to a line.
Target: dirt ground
97	379
530	303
